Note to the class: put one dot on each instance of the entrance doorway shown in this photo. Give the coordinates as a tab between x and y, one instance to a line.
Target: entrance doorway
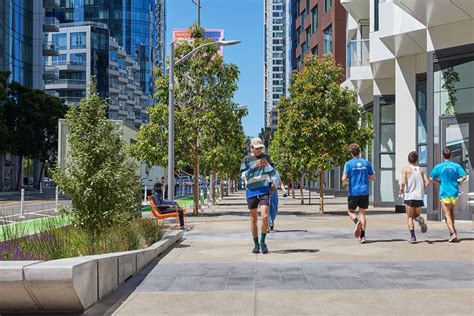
457	134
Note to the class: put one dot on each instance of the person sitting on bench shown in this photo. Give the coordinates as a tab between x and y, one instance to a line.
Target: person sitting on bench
166	206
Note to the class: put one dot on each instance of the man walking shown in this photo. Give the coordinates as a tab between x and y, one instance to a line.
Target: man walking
256	170
358	172
414	182
449	175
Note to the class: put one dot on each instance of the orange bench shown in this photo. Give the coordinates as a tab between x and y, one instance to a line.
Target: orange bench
157	214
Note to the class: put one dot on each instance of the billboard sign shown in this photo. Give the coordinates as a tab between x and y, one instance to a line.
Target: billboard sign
214	34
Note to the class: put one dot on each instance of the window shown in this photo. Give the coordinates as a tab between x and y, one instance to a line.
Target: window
277	76
277	82
327	5
278	62
376	15
61	40
277	28
298	32
308	35
276	96
277	41
314	19
277	55
308	5
277	48
78	58
277	68
387	151
328	39
78	40
59	60
314	51
421	119
303	16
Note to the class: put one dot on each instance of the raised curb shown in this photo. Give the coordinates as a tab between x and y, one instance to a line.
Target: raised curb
72	284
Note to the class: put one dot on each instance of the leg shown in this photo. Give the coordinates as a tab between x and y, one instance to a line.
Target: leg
253	222
448	217
181	217
264	214
410	216
362	218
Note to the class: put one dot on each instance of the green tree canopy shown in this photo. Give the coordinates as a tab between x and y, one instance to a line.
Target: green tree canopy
99	175
319	120
204	86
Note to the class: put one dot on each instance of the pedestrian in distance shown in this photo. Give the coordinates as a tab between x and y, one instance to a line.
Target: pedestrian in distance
449	175
256	170
275	185
412	188
358	172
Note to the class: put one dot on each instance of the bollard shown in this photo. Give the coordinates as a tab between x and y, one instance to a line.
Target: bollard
22	204
182	189
41	187
56	201
202	199
144	195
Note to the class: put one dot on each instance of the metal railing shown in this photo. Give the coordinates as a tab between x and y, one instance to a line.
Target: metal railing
51	21
66	81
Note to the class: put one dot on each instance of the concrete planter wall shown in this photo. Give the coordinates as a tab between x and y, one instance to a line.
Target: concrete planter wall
73	284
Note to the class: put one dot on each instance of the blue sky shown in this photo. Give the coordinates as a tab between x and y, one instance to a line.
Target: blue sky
241	20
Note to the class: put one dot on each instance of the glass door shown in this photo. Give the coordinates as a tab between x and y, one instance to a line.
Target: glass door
457	134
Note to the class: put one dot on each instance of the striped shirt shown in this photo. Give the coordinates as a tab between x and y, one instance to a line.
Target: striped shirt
256	180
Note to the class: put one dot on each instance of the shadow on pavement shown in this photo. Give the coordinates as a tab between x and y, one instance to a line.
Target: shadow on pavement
114	300
289	251
290	231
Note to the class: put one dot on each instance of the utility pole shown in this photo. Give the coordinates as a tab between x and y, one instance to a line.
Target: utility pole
198	5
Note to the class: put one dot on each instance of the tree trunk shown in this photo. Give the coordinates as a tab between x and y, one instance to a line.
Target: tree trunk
293	188
213	189
309	191
19	179
227	187
196	187
2	172
221	188
41	175
301	190
321	191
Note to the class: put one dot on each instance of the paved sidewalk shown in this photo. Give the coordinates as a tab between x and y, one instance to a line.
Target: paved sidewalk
315	266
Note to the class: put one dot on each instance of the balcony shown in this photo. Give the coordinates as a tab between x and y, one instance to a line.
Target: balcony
51	24
65	84
53	93
50	49
70	65
51	4
358	9
358	64
50	72
435	13
71	100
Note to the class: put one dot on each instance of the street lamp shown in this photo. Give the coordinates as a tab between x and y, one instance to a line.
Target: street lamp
171	108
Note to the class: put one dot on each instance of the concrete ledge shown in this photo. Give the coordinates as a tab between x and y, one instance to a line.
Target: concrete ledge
72	284
14	295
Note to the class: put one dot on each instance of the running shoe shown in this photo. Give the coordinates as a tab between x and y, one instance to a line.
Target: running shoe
412	240
256	249
362	240
422	224
264	248
358	229
271	227
453	237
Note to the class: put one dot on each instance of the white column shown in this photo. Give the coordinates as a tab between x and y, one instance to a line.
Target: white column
405	111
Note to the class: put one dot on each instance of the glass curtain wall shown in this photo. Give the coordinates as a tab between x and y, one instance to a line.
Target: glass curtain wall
16	39
387	184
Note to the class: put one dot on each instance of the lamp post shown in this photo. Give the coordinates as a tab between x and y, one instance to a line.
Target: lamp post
171	108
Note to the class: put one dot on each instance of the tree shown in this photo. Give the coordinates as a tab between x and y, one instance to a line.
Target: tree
3	129
321	119
50	110
99	175
204	85
20	116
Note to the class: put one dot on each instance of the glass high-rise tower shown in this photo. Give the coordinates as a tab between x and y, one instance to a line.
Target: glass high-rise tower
137	25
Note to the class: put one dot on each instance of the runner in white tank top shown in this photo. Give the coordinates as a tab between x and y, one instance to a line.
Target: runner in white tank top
414	182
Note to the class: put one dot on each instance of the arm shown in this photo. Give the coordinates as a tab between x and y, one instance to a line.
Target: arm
371	173
245	171
404	181
434	175
425	178
345	177
462	175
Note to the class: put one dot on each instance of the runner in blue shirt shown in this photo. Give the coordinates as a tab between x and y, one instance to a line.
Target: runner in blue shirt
358	172
449	175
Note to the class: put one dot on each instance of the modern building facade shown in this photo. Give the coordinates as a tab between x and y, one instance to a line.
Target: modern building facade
318	27
412	64
87	51
277	67
23	25
137	25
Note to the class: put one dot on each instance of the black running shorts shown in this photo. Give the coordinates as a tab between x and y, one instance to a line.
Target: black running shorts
414	203
358	201
259	200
